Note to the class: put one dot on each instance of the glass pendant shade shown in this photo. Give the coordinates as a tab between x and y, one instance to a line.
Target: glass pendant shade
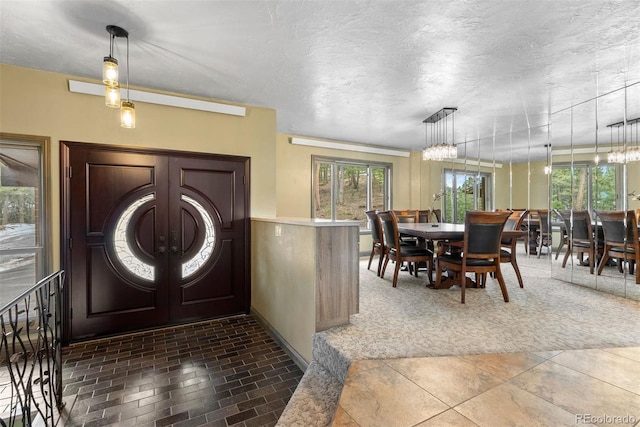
112	96
128	115
110	71
441	145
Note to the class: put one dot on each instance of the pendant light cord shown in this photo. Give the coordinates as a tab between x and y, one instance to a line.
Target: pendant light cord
128	99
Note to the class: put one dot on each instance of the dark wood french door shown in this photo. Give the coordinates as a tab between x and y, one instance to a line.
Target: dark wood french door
152	238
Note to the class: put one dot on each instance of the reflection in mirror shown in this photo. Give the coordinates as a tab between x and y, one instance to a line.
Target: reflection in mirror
583	179
572	145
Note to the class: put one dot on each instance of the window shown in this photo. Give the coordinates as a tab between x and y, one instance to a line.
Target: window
464	191
344	189
23	229
584	187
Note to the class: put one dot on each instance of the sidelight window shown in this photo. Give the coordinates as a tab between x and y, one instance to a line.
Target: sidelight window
24	226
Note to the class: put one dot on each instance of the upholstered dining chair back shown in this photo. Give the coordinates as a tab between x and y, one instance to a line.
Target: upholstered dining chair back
424	215
391	237
613	225
399	251
582	228
377	237
580	238
543	215
480	250
375	226
484	232
621	239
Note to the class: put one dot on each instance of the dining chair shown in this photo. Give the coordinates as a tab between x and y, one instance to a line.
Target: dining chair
508	244
378	239
407	216
544	231
563	236
400	253
480	250
436	215
424	215
525	213
618	244
579	236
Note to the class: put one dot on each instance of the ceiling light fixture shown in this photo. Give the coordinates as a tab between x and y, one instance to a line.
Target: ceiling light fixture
633	153
110	79
439	146
617	155
547	168
627	153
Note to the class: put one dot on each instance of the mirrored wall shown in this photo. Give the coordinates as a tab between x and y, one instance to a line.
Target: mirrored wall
563	169
587	183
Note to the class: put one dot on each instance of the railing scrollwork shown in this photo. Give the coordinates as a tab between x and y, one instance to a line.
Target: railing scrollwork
31	355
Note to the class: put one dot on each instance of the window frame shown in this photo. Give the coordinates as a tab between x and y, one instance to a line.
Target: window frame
44	253
589	165
339	161
488	196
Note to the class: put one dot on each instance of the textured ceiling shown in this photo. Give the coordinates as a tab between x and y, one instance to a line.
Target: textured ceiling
363	71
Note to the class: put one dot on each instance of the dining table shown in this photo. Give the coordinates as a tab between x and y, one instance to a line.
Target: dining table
446	232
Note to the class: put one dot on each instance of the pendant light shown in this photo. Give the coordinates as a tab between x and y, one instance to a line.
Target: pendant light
110	79
439	147
128	110
110	69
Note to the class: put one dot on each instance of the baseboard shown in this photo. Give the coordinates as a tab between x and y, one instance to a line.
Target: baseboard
295	356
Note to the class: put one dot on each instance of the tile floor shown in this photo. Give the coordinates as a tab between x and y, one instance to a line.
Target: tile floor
563	388
225	372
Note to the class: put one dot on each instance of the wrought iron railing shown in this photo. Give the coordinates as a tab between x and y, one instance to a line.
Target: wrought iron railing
31	355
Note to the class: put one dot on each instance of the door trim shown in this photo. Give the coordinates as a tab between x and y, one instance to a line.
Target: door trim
65	215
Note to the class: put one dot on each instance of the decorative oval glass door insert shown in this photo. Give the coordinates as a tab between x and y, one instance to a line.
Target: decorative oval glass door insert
206	250
122	247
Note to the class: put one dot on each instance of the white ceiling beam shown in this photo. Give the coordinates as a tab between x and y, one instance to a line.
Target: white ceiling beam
160	99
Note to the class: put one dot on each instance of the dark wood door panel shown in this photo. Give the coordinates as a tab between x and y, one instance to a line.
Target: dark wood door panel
211	218
122	180
218	185
109	292
154	238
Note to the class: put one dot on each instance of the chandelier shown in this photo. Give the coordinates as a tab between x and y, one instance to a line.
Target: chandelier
439	136
110	79
628	153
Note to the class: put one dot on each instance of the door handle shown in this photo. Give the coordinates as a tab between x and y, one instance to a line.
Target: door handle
161	250
174	238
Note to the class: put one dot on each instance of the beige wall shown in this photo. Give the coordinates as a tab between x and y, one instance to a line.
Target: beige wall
293	176
39	103
431	174
530	185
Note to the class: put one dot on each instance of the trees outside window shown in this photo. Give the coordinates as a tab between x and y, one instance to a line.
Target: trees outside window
22	214
584	187
344	190
464	191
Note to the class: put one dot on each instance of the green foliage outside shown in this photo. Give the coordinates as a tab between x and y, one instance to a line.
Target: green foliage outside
17	205
464	199
569	191
350	192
